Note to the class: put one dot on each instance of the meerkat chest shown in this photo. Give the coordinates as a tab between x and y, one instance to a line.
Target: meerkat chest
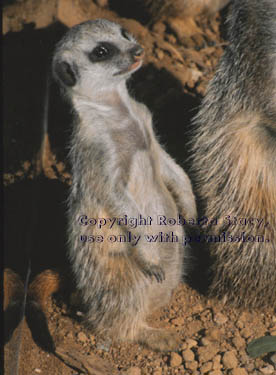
129	131
135	147
122	129
130	136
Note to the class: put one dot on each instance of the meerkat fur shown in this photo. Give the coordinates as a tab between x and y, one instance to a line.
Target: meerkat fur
118	169
234	158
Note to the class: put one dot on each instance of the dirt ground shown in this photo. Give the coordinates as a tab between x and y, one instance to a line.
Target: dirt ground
181	56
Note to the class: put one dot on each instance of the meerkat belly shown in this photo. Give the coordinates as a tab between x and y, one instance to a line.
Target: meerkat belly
147	187
155	202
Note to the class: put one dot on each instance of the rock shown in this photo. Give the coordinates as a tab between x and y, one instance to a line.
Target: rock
176	360
196	325
217	358
238	341
273	359
92	338
206	353
244	317
214	334
195	74
216	362
215	372
229	360
217	366
171	38
220	319
239	371
205	341
188	355
131	24
159	27
157	363
178	321
157	371
268	370
69	335
191	343
160	55
102	3
82	337
246	332
206	367
191	365
104	345
250	366
134	371
240	324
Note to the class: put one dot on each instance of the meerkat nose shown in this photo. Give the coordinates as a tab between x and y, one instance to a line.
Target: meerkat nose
137	52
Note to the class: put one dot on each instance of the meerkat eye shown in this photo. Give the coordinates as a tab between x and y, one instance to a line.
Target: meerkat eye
102	52
125	34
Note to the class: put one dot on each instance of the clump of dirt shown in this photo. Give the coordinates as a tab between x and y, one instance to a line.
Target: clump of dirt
181	56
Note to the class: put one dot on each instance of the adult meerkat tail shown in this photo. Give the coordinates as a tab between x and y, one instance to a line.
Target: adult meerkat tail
13	298
13	288
235	158
44	285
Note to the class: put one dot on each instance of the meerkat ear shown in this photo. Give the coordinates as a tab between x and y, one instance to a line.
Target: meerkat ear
66	73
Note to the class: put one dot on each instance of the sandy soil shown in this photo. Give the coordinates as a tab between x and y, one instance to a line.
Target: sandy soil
181	59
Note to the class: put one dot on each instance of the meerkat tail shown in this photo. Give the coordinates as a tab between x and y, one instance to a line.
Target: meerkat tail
44	285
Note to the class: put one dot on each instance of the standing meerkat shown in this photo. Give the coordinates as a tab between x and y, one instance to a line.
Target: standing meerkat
119	171
235	158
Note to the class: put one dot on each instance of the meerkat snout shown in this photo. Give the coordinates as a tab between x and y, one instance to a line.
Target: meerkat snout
136	55
137	52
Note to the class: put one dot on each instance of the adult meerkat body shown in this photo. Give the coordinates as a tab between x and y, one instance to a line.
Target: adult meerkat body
235	157
119	169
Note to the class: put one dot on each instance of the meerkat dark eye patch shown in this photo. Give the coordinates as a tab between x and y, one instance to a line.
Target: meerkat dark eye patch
66	73
103	52
125	34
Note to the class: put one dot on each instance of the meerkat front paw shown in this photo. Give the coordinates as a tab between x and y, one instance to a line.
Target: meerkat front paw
154	271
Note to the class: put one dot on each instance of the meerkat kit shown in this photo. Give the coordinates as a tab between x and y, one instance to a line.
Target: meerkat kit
120	171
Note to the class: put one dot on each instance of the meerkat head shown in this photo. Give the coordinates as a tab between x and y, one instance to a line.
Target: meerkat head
96	55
